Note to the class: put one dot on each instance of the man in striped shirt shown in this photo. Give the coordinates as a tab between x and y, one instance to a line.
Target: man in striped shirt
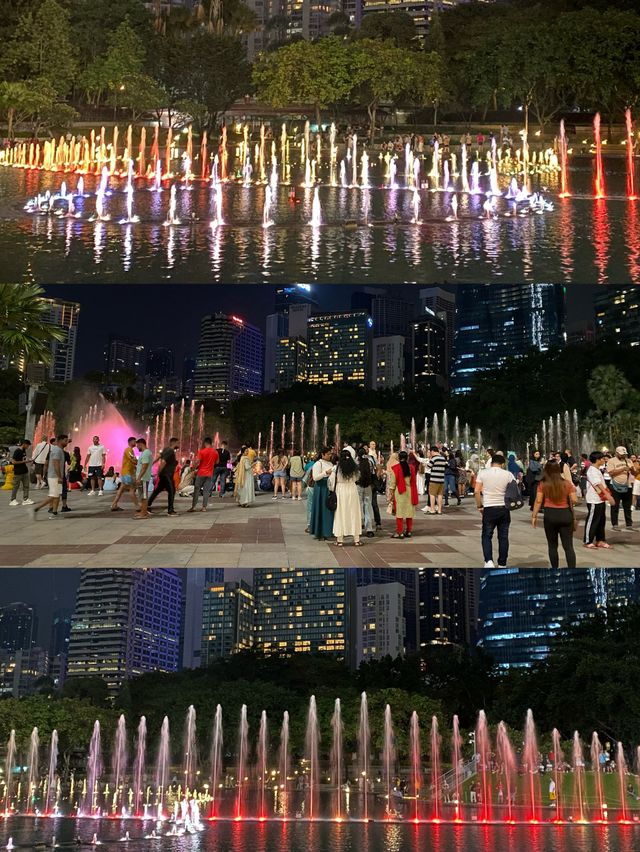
436	467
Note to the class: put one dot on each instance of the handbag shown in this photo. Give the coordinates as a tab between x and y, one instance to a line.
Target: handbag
332	501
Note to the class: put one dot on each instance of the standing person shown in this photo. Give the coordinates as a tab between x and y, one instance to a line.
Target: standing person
621	471
403	486
451	479
95	461
347	519
244	488
490	490
144	466
559	498
221	470
597	497
296	472
533	476
278	463
205	463
375	458
75	468
127	476
365	490
40	458
168	462
21	473
307	481
55	475
436	468
321	525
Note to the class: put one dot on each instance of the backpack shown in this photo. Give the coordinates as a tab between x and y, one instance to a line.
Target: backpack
513	497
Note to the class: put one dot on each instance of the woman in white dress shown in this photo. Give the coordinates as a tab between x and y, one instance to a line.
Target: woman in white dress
244	488
347	520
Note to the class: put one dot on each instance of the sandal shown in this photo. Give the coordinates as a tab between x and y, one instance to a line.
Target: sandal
591	546
357	544
603	545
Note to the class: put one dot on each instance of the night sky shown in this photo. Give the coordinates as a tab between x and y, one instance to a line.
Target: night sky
50	589
170	316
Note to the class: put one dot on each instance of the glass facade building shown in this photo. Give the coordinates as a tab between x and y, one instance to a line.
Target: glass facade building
230	358
444	609
618	314
228	620
339	348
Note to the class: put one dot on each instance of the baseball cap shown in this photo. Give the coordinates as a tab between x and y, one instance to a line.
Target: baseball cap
621	451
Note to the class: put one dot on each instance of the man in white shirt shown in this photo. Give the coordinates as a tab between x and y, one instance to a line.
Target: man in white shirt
40	457
490	490
95	463
597	497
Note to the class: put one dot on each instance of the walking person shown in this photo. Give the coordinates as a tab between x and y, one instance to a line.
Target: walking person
127	477
376	468
168	462
597	496
365	490
533	476
451	478
321	524
40	458
244	485
55	475
436	468
279	463
75	468
347	519
95	462
21	474
144	467
490	493
296	472
221	470
558	496
403	486
204	465
621	471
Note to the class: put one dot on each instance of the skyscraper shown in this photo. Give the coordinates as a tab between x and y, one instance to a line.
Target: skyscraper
495	322
428	350
293	306
292	362
444	616
301	609
194	582
358	577
379	622
390	315
442	303
229	363
125	622
63	316
160	363
18	627
340	348
617	312
123	355
387	362
228	620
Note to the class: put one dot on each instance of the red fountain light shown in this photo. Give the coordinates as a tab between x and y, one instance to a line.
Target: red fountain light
631	178
599	190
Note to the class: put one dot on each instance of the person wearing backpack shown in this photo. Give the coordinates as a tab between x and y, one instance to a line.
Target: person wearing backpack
491	499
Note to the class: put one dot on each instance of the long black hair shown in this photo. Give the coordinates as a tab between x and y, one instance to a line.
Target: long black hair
347	465
364	464
403	462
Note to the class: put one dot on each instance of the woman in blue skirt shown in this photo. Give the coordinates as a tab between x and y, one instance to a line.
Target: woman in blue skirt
321	526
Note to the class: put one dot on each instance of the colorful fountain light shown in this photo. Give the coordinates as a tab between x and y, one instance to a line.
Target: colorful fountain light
598	187
630	155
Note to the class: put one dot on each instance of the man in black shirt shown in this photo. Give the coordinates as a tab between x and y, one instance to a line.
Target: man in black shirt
168	463
221	471
21	474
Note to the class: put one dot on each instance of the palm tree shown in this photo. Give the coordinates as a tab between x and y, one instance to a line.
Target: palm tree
25	336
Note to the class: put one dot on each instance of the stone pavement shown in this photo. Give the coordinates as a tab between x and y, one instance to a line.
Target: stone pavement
270	534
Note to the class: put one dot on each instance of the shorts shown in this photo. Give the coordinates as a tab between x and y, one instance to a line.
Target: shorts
143	489
55	486
280	474
127	479
295	478
39	469
94	471
436	489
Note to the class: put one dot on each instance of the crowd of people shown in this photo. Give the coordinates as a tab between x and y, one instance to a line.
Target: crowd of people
346	488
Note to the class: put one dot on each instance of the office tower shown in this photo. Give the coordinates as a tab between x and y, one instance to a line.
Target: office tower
387	362
160	363
194	582
358	577
18	627
420	10
617	312
276	328
442	303
301	609
495	322
229	363
444	615
292	362
228	620
64	317
60	632
428	350
293	306
390	316
123	355
125	622
23	670
340	348
380	625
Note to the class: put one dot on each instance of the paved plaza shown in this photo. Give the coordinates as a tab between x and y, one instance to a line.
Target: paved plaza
268	534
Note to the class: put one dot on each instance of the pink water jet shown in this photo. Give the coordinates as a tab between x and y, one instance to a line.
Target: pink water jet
599	190
631	168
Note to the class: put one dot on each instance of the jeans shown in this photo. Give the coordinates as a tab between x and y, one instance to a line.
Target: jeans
165	483
450	486
496	517
625	501
204	483
219	473
559	522
366	508
376	508
20	479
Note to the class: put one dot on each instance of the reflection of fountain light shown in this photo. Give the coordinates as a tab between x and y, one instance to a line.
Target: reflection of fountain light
316	210
266	212
172	219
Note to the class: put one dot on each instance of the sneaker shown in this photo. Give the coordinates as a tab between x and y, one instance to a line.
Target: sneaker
65	509
631	529
501	566
616	528
26	502
100	493
489	564
91	493
274	497
52	515
14	503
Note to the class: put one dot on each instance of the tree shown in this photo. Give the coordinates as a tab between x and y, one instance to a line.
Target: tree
21	100
93	22
319	73
119	68
23	332
609	389
397	27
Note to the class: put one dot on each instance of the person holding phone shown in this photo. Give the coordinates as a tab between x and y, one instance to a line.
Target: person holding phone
321	526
